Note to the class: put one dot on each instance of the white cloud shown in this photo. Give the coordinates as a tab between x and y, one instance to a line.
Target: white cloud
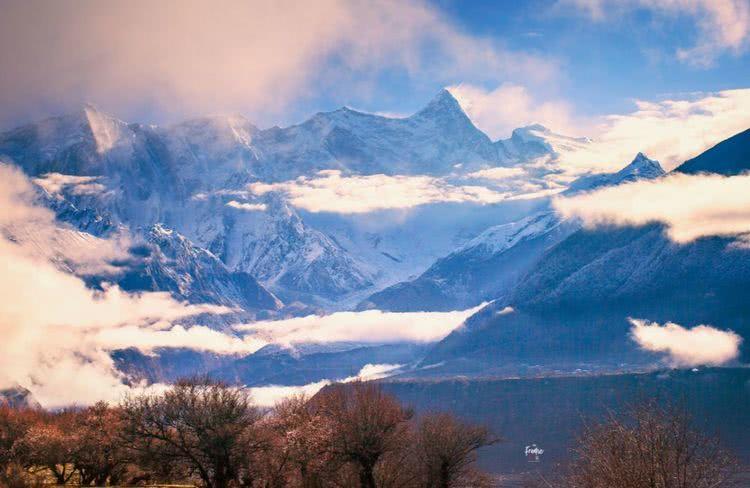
497	112
723	25
57	333
55	183
330	191
34	230
499	173
50	323
232	55
505	311
371	326
270	395
691	206
700	345
196	337
670	131
248	207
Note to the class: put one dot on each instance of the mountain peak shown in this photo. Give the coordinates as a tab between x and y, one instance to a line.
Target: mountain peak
443	104
641	167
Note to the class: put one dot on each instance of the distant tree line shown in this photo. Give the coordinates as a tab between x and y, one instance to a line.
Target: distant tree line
210	434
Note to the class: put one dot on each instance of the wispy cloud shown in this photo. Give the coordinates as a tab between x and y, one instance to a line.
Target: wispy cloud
723	26
124	58
55	183
166	335
246	206
510	105
690	206
699	345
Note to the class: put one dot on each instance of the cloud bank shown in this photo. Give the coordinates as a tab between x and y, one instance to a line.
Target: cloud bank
331	191
690	206
700	345
371	326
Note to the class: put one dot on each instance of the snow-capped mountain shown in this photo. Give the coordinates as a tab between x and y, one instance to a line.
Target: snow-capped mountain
536	141
640	168
192	178
491	264
431	142
291	258
478	271
180	194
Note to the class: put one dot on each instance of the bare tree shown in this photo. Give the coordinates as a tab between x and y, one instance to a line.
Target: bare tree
98	456
446	448
48	444
206	429
650	447
366	426
301	436
14	425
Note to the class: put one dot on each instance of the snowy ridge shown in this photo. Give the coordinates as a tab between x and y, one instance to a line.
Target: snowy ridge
499	238
535	141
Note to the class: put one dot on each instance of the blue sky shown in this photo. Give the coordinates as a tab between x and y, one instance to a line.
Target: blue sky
279	62
603	64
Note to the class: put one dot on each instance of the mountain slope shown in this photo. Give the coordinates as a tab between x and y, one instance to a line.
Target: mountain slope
291	258
571	309
729	157
490	265
170	262
484	268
